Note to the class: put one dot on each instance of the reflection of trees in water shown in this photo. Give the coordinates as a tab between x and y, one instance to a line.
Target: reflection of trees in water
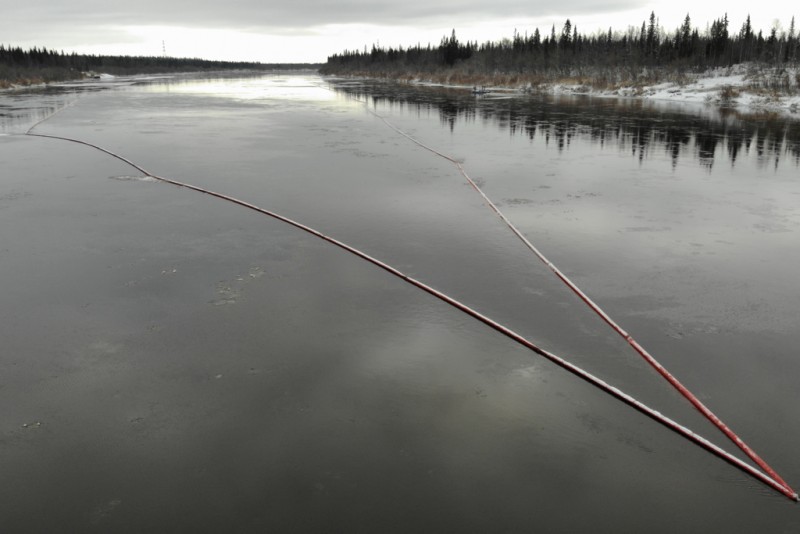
21	109
641	127
18	119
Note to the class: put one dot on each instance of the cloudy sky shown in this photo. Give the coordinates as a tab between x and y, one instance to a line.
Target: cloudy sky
310	30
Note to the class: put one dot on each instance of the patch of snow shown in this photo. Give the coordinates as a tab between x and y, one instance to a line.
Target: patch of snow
734	86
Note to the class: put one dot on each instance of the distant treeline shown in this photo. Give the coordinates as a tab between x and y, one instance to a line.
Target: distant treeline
570	53
43	65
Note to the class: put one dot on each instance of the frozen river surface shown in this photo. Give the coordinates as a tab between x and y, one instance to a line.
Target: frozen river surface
174	362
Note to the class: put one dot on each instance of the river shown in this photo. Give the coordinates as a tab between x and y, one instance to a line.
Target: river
175	362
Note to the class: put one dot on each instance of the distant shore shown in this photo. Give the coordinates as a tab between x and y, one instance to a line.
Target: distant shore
38	66
40	81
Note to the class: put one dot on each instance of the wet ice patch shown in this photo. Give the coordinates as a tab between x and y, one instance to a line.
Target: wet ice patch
527	373
127	178
517	201
228	292
104	347
14	194
104	510
99	352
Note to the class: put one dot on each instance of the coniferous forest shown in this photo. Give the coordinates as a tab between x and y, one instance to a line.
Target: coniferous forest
39	65
645	53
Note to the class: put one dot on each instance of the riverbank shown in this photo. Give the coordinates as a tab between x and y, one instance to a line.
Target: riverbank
747	86
740	86
32	81
102	78
27	69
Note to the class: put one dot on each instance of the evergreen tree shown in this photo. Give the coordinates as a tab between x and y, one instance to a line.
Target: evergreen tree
791	44
746	39
685	42
718	41
652	36
568	51
566	35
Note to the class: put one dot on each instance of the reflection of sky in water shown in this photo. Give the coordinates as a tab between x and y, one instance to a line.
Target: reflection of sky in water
273	87
21	109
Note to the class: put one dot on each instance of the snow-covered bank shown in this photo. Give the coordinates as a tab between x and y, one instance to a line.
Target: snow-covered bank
743	86
748	87
37	82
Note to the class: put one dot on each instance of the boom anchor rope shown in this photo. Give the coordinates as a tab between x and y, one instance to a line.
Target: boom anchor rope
770	481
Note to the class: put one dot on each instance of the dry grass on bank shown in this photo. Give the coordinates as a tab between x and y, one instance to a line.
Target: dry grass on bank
588	79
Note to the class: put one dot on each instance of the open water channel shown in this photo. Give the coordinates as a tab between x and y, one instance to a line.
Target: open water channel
174	362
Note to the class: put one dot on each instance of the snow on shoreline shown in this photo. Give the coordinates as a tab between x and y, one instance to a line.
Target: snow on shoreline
733	87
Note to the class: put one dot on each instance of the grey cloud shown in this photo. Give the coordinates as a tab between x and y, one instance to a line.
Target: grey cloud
81	24
254	15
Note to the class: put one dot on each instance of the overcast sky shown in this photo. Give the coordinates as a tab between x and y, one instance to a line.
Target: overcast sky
310	30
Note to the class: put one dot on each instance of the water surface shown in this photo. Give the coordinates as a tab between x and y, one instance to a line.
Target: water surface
174	362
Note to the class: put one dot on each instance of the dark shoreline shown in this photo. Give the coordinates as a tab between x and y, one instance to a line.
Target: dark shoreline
14	75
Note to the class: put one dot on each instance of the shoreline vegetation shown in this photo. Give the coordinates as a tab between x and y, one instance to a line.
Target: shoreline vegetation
38	66
717	65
